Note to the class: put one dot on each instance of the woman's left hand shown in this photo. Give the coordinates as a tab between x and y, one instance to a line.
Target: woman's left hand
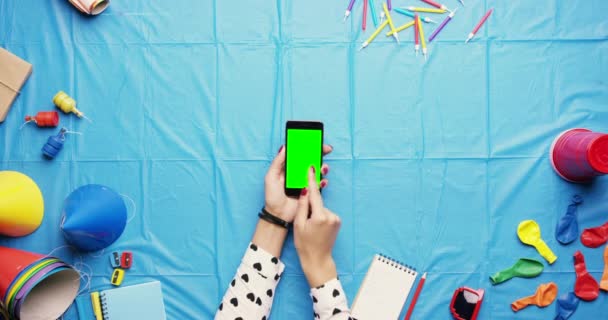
277	202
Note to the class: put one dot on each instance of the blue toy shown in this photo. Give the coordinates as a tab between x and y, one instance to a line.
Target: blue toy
54	144
567	226
115	260
94	216
566	305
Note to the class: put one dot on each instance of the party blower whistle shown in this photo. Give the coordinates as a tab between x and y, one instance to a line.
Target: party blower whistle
44	119
66	104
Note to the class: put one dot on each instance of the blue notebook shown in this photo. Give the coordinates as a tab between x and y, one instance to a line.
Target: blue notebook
142	301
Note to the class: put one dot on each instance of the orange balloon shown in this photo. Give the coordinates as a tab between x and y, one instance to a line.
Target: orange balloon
544	296
604	282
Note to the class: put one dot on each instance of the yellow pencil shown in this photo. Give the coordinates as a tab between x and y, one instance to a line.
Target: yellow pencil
422	40
390	21
428	10
403	27
374	35
96	305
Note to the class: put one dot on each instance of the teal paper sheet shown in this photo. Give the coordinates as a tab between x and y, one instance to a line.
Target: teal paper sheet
435	163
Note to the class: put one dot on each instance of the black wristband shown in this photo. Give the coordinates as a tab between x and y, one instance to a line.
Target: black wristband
269	217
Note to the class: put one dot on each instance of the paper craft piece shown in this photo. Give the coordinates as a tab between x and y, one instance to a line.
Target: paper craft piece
21	205
544	296
566	230
15	72
35	287
94	216
523	268
595	237
12	263
604	282
585	286
3	312
51	297
566	305
528	232
91	7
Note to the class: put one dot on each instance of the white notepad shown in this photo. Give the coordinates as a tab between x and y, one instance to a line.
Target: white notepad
142	301
384	290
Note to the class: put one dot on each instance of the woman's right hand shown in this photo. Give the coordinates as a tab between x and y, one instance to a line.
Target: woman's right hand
315	232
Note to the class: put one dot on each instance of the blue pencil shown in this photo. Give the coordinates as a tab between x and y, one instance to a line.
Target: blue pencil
372	8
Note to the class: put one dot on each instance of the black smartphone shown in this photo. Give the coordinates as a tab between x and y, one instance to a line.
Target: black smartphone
304	148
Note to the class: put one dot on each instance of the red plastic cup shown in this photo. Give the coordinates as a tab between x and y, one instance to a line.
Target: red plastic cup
579	155
45	119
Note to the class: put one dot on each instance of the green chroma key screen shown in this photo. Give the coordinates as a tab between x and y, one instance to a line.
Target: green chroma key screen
303	151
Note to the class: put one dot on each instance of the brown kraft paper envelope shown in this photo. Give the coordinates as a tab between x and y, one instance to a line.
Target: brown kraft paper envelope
13	73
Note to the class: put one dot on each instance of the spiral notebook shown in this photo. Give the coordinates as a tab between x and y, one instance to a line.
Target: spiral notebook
142	301
384	290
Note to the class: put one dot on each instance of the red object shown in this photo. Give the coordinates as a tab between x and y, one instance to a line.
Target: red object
433	3
463	309
415	299
45	119
364	23
416	32
579	155
126	260
595	237
585	287
12	262
482	21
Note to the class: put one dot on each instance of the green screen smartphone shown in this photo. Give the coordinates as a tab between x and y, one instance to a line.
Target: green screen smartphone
304	148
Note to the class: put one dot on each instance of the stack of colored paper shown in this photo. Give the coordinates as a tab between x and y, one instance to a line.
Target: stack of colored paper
35	287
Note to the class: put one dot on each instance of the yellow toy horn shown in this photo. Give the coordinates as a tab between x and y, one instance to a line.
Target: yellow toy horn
21	204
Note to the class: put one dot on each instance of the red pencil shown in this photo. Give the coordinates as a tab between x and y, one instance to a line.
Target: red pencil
364	23
415	299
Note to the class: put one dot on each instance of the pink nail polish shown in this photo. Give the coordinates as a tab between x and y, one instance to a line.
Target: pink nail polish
325	170
280	149
304	192
313	169
323	184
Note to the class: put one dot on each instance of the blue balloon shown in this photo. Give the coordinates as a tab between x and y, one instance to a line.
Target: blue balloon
94	216
566	230
566	305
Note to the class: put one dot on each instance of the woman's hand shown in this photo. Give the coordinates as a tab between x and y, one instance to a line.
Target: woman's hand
277	203
315	232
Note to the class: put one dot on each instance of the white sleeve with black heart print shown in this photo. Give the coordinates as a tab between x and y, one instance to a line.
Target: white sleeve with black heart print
251	292
329	301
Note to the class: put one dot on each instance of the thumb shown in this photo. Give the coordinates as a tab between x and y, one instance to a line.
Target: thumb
303	208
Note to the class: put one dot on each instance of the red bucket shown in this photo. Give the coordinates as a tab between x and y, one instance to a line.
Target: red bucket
579	155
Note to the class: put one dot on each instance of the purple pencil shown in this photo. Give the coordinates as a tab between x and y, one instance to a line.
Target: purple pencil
349	9
443	24
389	5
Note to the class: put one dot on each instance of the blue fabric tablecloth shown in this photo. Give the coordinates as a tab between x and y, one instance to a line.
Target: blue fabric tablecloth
435	163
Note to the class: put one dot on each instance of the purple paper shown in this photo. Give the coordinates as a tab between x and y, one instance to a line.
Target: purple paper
43	274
